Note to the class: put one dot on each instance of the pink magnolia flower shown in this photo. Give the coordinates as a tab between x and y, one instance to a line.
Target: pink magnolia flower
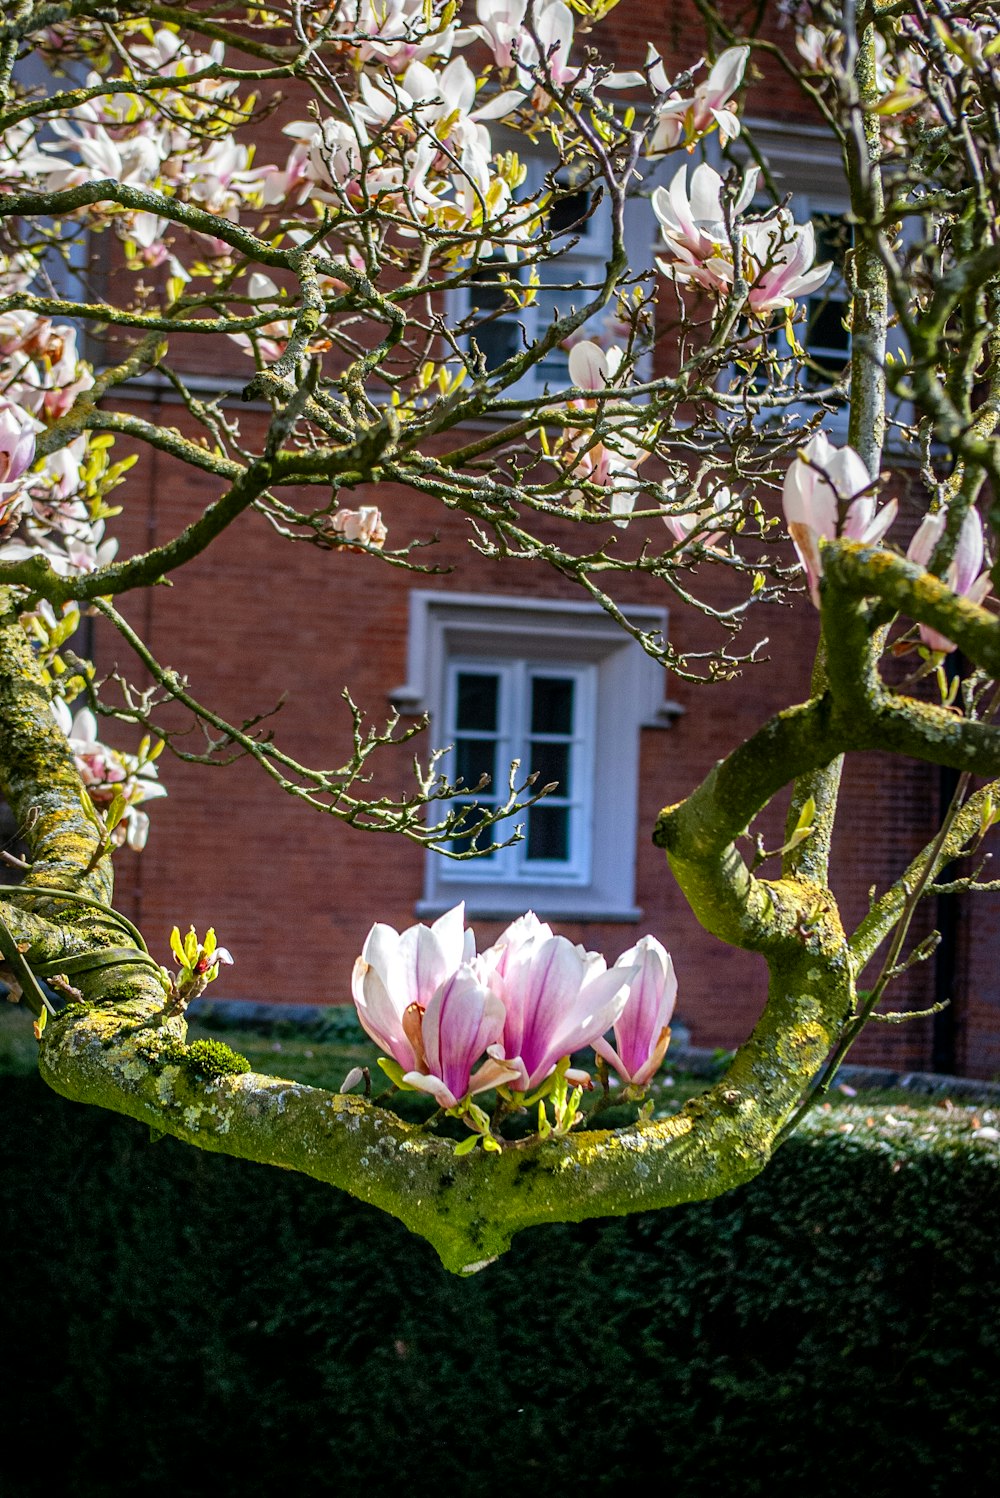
642	1030
557	997
328	156
964	575
17	451
221	178
106	772
549	60
776	253
694	228
100	768
419	997
210	963
688	120
818	485
396	972
778	259
43	373
395	31
590	367
611	463
60	476
689	527
363	526
462	1021
500	26
819	47
135	162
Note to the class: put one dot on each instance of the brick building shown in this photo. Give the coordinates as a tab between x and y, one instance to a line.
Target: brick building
507	659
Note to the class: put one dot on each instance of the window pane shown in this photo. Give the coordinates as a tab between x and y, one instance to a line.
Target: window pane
472	838
552	704
833	238
827	340
826	326
475	758
548	833
551	762
570	213
486	287
477	701
500	338
498	341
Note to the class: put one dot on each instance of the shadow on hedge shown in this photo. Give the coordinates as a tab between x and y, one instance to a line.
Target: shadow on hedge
178	1322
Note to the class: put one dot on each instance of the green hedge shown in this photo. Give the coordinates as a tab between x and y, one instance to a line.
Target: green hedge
174	1321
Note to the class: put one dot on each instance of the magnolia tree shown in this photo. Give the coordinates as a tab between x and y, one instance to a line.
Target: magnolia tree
332	271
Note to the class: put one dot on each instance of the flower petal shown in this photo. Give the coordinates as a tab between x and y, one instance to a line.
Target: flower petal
588	366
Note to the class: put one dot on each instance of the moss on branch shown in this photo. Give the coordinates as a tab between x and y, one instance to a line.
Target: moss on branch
861	572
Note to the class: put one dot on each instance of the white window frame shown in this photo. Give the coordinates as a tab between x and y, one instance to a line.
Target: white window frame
515	675
495	632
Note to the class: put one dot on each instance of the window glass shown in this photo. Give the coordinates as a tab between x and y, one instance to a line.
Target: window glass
552	704
548	833
476	715
827	339
539	716
478	696
498	337
551	758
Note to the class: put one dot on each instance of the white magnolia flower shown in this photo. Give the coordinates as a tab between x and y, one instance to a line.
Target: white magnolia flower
964	575
687	120
108	773
776	253
694	524
827	493
694	228
363	526
612	461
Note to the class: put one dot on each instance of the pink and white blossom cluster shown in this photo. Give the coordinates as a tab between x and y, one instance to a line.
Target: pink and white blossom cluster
41	368
41	515
118	137
828	492
44	505
108	773
965	574
773	253
17	452
458	1023
416	142
611	462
